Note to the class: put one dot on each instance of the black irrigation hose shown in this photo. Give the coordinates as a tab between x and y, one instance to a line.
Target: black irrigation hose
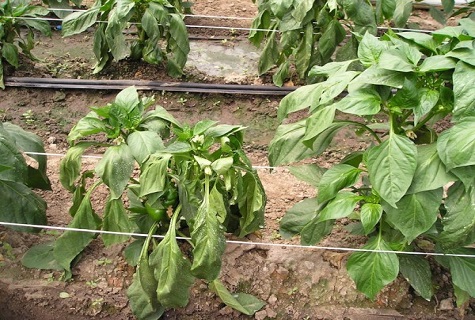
87	84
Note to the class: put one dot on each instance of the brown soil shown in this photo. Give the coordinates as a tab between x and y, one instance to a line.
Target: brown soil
294	283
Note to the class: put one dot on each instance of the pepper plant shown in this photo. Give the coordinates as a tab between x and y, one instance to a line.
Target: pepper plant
298	35
16	16
161	32
195	182
413	188
18	177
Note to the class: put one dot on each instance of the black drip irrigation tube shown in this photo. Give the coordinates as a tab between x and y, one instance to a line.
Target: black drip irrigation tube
192	87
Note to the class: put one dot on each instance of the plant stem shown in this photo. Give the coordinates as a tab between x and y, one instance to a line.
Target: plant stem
365	127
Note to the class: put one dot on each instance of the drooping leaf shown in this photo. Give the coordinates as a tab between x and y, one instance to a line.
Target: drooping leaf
154	176
462	269
315	230
21	205
309	173
71	243
70	165
11	157
251	204
371	271
298	216
208	238
416	270
242	302
41	256
115	168
332	35
172	270
29	142
317	123
89	125
402	12
269	56
335	179
428	99
300	99
142	292
459	222
79	21
378	76
391	167
415	213
116	220
10	53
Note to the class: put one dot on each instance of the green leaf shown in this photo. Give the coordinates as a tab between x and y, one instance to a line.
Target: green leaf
142	292
462	270
422	39
222	165
370	49
415	213
115	169
269	55
89	125
242	302
79	21
416	270
30	142
208	239
371	271
10	157
437	64
143	143
428	99
455	145
461	296
378	76
335	179
116	220
286	146
391	167
70	166
395	60
297	217
333	34
318	122
304	52
132	252
10	53
154	176
172	270
315	230
21	205
340	207
309	173
300	99
178	44
370	215
71	243
459	222
252	202
40	256
361	102
114	35
463	93
402	12
430	172
406	98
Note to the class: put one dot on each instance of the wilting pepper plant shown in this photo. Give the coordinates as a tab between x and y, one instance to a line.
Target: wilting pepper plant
161	33
15	17
165	179
297	35
18	177
413	188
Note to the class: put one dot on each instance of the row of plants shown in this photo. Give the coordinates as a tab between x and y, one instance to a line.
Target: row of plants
412	189
296	35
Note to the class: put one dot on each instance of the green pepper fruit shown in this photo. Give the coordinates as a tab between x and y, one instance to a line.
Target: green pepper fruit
156	214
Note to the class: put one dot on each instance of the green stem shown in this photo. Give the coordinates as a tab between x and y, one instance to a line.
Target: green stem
365	127
429	116
146	244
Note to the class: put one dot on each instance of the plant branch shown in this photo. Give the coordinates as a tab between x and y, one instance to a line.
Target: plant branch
365	127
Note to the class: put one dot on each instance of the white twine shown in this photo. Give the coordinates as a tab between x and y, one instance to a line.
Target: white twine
238	242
